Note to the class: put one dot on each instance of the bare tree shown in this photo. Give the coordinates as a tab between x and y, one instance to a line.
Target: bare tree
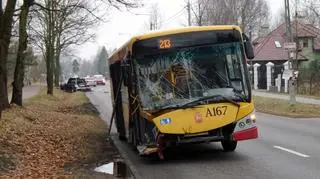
198	9
6	19
248	14
253	14
209	12
20	61
60	24
65	23
311	10
278	19
73	26
155	17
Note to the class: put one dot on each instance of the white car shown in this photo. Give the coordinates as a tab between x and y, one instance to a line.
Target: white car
91	81
99	79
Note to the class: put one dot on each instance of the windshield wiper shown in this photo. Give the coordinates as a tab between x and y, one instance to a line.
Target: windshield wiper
211	98
177	107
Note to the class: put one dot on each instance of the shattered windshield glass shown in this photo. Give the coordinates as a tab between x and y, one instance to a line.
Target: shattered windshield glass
174	78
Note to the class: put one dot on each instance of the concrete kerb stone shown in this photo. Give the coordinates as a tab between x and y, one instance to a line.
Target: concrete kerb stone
134	171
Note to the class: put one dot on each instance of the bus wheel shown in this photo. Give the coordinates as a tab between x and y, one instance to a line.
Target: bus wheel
122	138
229	145
132	139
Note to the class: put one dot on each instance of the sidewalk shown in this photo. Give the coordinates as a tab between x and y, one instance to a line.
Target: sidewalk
285	97
27	91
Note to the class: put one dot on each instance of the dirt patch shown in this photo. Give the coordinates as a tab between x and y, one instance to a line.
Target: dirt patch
81	109
54	136
284	108
6	162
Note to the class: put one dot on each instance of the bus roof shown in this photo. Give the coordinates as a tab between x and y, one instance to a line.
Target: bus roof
128	45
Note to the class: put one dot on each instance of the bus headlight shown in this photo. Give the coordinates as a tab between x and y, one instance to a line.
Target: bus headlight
253	116
246	128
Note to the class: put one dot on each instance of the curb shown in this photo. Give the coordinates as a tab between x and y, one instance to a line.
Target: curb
134	171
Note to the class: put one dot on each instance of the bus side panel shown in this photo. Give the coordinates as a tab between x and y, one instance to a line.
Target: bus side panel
115	73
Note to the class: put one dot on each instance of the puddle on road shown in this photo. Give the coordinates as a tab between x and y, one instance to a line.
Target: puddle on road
107	168
117	169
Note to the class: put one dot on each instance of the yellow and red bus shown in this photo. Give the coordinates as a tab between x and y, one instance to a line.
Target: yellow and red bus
186	85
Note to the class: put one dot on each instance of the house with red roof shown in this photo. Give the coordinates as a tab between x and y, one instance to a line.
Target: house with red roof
269	50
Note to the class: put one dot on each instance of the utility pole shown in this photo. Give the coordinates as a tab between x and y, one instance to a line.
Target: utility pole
295	67
151	25
290	51
288	21
189	12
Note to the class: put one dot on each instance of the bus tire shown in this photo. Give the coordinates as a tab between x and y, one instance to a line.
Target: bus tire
132	139
229	145
122	138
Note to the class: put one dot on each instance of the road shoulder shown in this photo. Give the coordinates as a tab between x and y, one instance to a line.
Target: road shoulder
51	136
299	98
282	107
122	146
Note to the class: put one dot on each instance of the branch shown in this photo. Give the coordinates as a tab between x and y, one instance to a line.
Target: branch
118	3
315	11
45	8
90	12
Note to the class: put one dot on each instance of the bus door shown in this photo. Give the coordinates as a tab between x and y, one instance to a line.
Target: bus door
115	73
130	102
125	95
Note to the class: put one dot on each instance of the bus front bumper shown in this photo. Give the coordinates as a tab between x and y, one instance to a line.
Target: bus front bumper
251	133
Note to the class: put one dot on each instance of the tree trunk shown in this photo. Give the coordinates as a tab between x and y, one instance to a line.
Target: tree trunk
49	75
57	70
20	62
6	19
50	49
50	66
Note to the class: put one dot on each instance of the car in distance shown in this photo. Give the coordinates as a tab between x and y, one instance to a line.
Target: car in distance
90	81
99	79
75	84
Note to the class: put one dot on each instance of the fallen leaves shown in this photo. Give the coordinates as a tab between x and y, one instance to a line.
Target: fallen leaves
50	134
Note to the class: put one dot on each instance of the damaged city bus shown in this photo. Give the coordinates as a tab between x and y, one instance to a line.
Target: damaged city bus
187	85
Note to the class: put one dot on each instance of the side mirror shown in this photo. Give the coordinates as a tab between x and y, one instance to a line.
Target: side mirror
248	47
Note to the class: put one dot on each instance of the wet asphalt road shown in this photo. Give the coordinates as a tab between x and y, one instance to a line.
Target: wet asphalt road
286	148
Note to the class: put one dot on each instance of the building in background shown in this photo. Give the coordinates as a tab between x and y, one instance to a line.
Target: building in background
271	58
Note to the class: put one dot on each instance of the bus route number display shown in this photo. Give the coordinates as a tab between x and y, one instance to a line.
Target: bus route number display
165	43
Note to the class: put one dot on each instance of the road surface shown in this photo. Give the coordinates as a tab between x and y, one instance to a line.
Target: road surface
100	98
286	148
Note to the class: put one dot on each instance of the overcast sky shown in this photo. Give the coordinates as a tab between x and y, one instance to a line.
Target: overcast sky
123	25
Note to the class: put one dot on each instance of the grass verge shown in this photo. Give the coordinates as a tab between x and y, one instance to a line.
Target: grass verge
284	108
54	136
298	95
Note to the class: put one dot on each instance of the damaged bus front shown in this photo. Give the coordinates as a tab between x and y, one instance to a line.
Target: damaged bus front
189	87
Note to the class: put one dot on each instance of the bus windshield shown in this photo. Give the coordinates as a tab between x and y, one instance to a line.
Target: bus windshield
180	76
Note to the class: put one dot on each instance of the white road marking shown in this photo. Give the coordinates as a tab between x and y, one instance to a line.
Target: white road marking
291	151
